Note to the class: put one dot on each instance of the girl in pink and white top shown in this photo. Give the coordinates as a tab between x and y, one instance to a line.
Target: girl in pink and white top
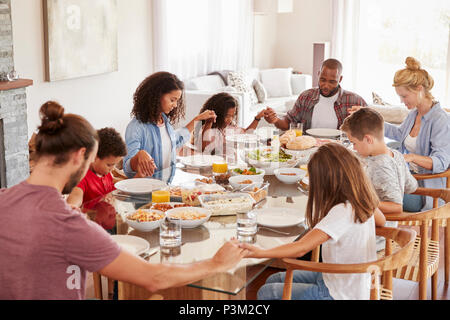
211	136
342	214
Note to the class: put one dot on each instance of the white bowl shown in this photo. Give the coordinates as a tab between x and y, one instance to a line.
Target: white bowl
289	179
235	182
259	173
190	223
145	226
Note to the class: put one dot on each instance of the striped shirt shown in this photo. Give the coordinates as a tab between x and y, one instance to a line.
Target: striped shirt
303	109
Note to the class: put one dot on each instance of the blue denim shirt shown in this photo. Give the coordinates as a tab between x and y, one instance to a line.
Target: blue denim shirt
433	140
146	136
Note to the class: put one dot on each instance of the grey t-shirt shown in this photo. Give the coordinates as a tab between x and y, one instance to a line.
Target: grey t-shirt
391	179
390	176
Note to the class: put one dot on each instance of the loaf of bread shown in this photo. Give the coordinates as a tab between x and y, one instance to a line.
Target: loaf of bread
287	136
301	143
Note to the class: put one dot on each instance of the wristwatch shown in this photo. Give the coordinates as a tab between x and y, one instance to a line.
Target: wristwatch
257	119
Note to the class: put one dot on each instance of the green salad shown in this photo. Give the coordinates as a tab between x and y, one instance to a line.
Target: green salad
268	156
251	171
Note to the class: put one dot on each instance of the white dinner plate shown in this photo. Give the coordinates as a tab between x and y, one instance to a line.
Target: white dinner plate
279	217
132	244
199	161
324	133
140	185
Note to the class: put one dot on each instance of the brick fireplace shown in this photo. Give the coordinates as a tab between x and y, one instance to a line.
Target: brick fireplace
14	164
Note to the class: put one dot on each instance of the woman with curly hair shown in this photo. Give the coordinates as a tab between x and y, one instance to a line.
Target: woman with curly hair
209	134
150	137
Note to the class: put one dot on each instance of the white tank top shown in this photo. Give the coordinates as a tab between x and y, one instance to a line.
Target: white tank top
166	146
411	146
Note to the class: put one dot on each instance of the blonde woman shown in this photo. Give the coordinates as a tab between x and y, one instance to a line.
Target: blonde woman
424	134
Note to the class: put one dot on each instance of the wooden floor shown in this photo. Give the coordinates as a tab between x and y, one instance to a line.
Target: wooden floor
402	289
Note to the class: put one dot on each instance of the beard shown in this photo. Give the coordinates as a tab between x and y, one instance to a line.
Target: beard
75	178
330	94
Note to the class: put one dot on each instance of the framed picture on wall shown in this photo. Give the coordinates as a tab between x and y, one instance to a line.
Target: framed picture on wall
80	38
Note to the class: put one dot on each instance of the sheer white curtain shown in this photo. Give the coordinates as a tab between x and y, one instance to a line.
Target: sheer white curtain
373	39
196	37
345	39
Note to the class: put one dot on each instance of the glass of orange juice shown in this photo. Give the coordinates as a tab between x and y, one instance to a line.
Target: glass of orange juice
160	196
219	167
297	127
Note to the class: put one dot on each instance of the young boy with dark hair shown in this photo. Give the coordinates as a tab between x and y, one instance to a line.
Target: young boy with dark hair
98	181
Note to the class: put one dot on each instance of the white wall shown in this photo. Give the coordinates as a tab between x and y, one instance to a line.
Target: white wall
104	100
286	40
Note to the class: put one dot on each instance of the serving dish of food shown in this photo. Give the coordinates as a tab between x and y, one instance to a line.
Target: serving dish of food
242	181
249	171
258	194
300	146
190	195
165	206
189	217
270	160
145	219
227	204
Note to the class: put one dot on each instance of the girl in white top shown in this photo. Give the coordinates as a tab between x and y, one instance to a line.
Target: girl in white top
342	214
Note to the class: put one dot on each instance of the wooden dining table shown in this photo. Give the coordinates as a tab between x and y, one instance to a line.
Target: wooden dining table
202	242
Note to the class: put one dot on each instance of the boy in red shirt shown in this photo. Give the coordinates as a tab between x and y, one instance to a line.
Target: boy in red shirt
98	181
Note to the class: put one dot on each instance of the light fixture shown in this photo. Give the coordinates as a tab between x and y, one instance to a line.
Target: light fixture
263	7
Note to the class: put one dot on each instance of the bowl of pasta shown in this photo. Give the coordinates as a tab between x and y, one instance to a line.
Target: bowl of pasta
190	217
145	220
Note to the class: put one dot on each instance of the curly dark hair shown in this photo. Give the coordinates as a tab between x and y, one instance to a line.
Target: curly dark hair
220	103
110	144
147	98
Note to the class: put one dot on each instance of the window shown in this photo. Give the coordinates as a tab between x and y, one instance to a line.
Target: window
389	31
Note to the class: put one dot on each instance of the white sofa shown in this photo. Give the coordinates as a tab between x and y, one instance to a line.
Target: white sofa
199	89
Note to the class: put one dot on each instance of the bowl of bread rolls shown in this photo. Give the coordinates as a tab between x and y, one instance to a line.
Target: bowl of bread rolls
299	146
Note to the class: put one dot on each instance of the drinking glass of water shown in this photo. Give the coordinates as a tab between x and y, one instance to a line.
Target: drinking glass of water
246	226
169	234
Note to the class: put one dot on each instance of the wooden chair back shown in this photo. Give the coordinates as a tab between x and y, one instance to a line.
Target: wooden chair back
391	261
425	176
429	245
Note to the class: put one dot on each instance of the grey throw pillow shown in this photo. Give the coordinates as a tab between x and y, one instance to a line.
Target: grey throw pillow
260	91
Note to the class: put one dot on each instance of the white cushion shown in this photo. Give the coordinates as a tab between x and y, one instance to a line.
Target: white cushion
277	82
206	83
392	114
